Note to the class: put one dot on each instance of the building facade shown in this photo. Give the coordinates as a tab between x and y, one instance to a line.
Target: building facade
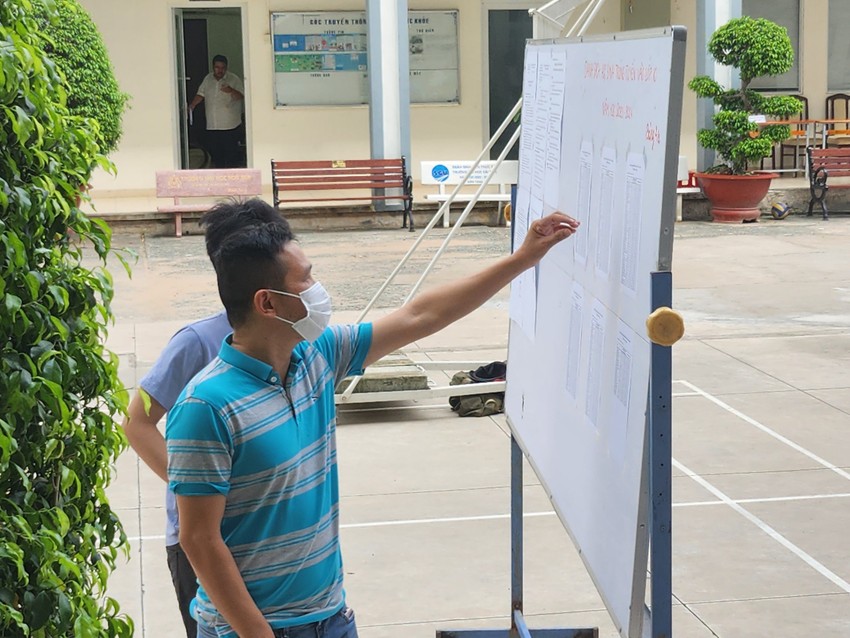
304	74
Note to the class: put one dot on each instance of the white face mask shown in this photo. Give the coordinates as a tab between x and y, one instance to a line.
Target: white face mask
317	302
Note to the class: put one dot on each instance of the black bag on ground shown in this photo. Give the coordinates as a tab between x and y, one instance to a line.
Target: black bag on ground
483	404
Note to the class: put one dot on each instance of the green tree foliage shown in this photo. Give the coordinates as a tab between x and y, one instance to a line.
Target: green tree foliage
756	47
75	45
59	389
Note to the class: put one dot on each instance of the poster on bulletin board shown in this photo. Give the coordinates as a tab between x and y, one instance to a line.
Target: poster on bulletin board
320	58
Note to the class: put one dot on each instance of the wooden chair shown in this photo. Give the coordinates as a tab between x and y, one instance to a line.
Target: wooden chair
794	147
838	108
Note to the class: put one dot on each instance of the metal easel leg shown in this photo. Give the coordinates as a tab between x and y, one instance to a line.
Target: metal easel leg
660	476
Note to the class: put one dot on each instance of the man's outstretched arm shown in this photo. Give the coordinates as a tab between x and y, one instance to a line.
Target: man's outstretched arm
439	307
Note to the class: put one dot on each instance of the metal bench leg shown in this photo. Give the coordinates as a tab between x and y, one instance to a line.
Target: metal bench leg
408	214
818	189
408	191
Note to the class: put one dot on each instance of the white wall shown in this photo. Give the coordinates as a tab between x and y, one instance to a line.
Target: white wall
684	12
139	36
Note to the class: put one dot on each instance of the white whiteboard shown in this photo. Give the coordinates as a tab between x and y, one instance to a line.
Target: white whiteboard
600	138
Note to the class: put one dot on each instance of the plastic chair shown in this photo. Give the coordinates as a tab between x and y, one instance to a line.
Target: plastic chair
837	108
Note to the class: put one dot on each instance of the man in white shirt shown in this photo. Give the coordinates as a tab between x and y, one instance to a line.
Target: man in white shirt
222	93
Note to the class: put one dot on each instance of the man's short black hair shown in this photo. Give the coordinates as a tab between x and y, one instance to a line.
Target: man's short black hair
225	218
247	261
220	58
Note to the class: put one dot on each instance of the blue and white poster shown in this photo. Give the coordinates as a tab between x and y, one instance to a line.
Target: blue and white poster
320	58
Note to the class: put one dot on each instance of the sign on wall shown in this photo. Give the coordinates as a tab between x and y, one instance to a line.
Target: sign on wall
320	58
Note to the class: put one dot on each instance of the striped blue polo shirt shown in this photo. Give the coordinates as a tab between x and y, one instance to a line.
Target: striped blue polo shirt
269	446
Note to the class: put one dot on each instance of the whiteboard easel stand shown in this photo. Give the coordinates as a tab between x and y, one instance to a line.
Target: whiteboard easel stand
658	461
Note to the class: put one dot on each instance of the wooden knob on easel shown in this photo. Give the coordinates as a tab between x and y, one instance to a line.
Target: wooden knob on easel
665	326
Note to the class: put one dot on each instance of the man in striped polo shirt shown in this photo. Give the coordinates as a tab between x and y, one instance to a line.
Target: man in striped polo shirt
251	440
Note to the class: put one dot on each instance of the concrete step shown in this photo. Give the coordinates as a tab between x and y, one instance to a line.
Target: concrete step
393	373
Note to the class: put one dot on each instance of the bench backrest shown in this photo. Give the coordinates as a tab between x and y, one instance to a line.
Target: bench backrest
452	172
215	182
338	175
835	161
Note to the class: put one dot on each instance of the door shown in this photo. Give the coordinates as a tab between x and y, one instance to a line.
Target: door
197	57
201	34
182	97
508	30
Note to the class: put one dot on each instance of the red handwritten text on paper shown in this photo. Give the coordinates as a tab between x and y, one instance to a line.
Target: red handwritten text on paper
608	71
653	134
616	110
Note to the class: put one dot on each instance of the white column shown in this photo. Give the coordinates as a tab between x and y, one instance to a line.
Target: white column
710	15
389	79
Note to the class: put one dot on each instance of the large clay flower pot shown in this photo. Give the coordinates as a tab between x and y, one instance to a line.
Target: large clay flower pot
734	198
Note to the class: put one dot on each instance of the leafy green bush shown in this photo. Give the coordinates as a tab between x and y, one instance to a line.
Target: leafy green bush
78	50
59	389
756	47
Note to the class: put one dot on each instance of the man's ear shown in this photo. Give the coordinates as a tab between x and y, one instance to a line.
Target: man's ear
263	303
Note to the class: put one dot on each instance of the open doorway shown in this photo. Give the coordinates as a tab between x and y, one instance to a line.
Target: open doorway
508	29
212	134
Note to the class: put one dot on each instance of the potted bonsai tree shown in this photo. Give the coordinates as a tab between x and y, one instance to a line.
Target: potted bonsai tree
755	47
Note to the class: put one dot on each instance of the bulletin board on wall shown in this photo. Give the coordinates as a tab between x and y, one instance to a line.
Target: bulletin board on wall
320	58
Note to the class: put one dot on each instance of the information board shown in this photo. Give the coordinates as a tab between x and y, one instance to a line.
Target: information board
320	58
600	137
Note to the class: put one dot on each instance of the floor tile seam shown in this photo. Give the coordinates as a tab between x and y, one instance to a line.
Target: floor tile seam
770	432
819	469
762	599
504	617
445	349
746	364
808	391
465	490
789	390
824	331
693	613
763	500
769	531
138	510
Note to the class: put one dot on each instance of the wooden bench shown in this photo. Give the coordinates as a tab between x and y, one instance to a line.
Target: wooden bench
452	172
823	164
208	183
378	176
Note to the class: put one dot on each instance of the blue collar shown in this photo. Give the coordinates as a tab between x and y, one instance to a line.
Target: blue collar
255	367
